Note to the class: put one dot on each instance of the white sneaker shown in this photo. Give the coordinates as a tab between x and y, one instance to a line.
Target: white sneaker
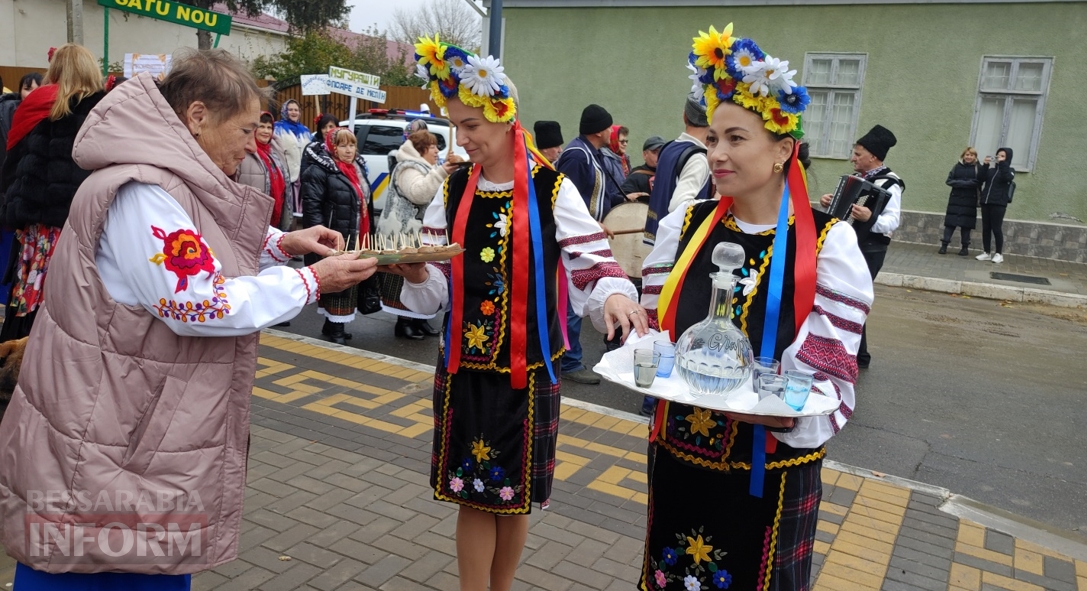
997	258
983	257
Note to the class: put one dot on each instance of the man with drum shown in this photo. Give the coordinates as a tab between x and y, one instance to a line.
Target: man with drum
682	170
868	155
583	164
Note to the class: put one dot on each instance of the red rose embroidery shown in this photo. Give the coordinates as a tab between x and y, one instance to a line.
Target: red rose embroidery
184	254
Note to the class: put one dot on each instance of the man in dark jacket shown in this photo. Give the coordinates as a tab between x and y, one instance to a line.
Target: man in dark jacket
868	155
639	183
996	193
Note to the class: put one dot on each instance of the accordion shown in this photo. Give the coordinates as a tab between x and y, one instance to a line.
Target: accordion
853	190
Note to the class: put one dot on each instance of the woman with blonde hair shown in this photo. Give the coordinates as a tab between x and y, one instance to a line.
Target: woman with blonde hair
496	388
40	178
962	206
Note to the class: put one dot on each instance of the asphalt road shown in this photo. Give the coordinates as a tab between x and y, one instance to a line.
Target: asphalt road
978	396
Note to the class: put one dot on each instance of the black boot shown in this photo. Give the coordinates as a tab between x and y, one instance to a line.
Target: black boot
423	326
334	330
965	251
406	330
943	248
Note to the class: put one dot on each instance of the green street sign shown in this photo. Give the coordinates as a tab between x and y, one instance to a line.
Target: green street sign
174	12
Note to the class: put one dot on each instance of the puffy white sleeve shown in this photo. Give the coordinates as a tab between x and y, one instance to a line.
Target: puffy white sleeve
152	255
658	264
272	253
888	221
690	182
592	270
432	295
827	343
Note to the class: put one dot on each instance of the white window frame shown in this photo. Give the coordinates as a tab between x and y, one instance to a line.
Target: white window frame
1009	95
819	146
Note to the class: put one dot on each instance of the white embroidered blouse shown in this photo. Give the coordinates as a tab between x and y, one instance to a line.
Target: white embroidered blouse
135	271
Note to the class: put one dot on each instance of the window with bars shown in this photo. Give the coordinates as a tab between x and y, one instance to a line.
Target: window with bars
1010	105
834	82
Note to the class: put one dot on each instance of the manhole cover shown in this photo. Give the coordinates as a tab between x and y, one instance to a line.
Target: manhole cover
1019	278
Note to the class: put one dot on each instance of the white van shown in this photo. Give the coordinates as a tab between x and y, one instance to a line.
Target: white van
381	131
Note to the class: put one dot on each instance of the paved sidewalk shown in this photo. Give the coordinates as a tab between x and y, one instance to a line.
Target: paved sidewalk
919	266
338	498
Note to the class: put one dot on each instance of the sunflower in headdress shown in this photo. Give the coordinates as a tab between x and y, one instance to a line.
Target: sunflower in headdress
430	51
712	49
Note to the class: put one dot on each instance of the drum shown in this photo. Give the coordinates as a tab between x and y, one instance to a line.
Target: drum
627	221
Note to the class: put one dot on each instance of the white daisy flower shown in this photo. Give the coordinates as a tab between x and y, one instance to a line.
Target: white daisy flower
692	584
758	79
696	77
422	72
781	77
501	224
456	64
482	76
745	59
478	485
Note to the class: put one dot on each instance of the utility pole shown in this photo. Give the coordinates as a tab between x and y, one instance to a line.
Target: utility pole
75	21
494	36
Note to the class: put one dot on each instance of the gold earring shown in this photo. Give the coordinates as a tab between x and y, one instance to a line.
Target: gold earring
778	167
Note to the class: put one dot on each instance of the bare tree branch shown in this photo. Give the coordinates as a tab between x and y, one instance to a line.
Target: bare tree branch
453	20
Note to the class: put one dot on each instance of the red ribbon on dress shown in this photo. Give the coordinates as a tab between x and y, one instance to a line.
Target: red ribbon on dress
521	263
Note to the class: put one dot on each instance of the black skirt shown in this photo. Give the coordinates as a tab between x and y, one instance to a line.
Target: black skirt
494	447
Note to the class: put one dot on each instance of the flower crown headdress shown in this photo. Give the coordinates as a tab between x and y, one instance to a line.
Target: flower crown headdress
728	68
450	72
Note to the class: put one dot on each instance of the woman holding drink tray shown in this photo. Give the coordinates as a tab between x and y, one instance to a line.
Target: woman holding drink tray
759	531
496	402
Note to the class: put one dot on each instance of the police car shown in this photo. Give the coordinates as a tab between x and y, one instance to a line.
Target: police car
381	131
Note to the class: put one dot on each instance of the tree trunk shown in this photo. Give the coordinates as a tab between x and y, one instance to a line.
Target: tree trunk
203	39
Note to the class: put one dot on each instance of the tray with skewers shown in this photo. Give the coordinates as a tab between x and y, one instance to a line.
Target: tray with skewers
402	248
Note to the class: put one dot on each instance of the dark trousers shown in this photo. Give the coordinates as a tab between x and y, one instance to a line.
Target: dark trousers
992	221
964	232
874	258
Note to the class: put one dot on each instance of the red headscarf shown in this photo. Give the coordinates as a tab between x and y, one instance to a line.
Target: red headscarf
613	143
31	111
279	186
352	174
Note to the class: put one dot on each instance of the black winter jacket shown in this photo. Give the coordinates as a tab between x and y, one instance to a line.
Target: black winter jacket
8	103
329	200
996	188
962	206
39	177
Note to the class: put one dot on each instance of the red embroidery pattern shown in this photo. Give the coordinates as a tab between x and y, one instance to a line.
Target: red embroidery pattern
654	323
583	277
583	239
434	231
283	256
829	356
651	289
657	270
841	298
446	270
184	254
186	312
317	280
309	294
838	321
597	253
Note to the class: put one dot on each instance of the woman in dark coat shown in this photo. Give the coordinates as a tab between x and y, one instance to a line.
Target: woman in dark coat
39	177
962	207
336	194
996	193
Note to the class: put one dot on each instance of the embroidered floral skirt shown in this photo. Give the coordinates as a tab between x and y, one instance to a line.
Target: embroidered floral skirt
707	532
494	447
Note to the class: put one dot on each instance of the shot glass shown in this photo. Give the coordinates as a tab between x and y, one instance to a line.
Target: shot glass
797	388
771	384
646	362
763	365
668	357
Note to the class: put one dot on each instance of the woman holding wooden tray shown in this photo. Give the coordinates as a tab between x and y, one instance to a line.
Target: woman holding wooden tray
802	298
496	401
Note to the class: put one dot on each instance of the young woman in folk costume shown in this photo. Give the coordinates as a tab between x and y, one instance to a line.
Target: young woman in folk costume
496	397
730	505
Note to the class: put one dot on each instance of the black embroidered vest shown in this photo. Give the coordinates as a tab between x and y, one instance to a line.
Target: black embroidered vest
709	438
488	270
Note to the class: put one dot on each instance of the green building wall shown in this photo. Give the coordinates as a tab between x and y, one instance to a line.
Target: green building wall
921	79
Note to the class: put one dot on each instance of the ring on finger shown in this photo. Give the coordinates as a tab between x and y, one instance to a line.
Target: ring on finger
632	312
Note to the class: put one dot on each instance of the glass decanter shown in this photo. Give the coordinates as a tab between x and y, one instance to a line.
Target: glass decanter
713	356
